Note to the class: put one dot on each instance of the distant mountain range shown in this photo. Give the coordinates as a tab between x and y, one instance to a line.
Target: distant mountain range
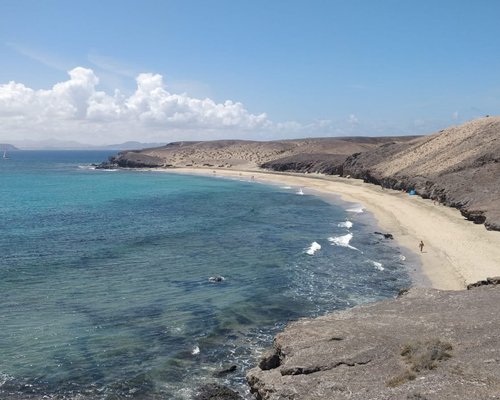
7	147
54	144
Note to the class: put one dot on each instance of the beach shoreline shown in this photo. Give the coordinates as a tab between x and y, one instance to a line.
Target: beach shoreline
456	251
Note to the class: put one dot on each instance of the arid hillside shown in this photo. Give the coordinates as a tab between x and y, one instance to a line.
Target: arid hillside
301	155
458	166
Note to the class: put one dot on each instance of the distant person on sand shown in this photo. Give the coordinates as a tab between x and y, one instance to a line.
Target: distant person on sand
421	245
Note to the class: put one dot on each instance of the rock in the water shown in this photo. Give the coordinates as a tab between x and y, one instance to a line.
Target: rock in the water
213	391
216	279
225	371
385	235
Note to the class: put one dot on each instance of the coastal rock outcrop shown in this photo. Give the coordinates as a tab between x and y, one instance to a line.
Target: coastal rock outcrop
132	159
426	344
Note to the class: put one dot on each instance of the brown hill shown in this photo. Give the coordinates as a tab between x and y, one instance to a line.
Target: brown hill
301	155
458	166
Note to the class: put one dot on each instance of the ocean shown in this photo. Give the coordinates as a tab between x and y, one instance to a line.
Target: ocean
105	289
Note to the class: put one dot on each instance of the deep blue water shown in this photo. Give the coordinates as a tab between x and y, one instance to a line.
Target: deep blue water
104	288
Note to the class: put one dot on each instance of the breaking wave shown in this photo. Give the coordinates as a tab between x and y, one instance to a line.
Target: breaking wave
315	246
345	224
378	265
342	241
358	209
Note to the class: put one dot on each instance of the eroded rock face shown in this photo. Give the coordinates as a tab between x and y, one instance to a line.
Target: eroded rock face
362	353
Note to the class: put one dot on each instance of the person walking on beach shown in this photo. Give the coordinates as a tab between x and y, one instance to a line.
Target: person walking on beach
421	245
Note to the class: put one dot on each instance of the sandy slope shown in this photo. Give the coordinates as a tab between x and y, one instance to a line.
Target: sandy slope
458	166
456	251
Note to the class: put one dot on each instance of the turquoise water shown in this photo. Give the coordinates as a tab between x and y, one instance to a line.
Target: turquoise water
104	275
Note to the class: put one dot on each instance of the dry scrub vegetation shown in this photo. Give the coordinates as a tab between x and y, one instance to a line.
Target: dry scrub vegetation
420	356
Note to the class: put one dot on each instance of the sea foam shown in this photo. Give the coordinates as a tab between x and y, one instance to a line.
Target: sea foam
345	224
342	241
378	265
358	209
315	246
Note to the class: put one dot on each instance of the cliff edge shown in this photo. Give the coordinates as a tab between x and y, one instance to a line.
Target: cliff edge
426	344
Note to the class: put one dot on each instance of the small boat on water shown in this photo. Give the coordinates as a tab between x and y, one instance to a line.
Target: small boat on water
5	155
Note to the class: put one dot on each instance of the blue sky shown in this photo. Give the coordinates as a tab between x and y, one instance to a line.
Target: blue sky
244	69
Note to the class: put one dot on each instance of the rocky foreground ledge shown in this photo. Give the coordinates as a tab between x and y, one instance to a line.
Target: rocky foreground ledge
426	344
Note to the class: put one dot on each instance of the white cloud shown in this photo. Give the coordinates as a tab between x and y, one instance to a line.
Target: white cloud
76	110
353	120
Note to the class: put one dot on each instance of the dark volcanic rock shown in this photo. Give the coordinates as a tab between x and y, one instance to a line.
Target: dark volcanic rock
385	235
213	391
329	164
488	281
132	159
225	371
426	344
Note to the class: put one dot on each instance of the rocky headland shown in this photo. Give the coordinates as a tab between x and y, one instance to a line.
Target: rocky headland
426	344
7	147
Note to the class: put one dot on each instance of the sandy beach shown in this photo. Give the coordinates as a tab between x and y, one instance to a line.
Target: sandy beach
456	252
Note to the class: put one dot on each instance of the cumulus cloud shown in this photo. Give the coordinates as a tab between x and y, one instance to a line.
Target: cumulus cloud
75	109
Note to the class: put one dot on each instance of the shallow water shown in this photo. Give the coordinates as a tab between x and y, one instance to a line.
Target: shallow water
104	276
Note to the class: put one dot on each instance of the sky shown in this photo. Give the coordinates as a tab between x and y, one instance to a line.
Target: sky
109	71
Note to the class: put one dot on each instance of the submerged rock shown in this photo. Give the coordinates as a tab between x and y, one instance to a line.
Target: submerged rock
226	371
213	391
